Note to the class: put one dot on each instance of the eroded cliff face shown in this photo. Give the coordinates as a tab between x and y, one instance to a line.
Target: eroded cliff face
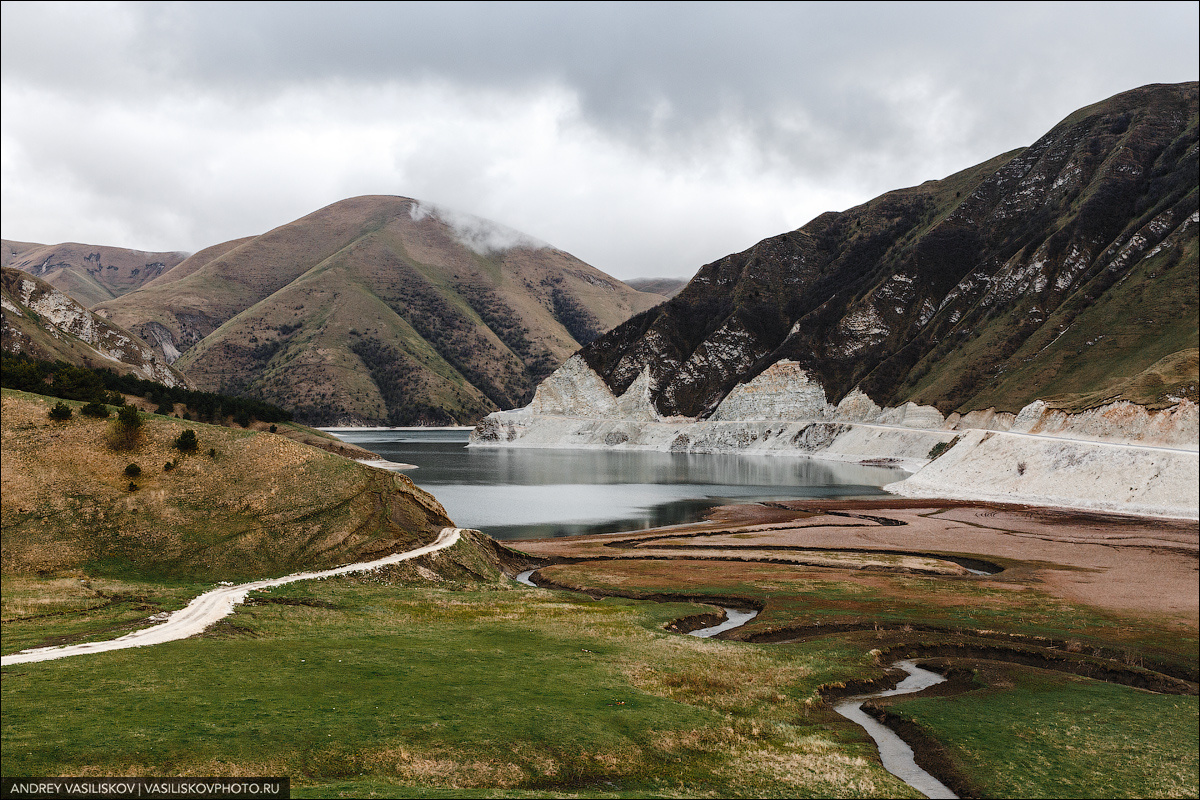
1046	272
45	323
1116	457
787	393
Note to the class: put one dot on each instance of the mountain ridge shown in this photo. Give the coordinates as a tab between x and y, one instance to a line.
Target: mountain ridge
89	273
955	293
378	310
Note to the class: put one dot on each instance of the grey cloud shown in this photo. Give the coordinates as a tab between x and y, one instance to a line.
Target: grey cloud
810	102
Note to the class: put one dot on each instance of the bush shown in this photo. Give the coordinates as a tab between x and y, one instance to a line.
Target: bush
186	442
212	452
61	411
133	471
129	417
126	430
273	429
94	409
167	467
132	486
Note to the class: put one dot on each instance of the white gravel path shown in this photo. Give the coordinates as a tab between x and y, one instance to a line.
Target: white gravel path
214	605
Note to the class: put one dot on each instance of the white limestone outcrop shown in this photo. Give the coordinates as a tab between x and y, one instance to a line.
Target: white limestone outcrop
62	316
782	391
1119	457
1004	467
574	389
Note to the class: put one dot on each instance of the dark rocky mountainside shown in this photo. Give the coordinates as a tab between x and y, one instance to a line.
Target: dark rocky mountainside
89	273
379	311
1065	271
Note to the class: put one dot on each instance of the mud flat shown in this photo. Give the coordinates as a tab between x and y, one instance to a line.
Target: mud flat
1122	563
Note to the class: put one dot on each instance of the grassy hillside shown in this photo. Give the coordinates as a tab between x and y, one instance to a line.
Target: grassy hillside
241	506
378	310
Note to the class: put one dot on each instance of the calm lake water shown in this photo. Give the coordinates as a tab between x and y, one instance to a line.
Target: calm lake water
527	493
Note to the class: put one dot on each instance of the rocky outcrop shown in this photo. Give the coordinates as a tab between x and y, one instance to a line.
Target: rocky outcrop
782	391
1118	457
45	323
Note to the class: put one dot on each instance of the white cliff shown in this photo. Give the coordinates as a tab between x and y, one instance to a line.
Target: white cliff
62	317
1118	457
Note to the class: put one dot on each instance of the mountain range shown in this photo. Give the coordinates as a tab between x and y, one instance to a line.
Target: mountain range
372	311
89	273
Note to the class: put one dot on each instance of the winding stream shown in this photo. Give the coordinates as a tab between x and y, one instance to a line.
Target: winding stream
894	752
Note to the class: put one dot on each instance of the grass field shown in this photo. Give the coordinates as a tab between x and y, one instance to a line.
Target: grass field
356	685
413	683
1032	733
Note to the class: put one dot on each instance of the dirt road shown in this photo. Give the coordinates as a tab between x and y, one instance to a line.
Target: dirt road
212	606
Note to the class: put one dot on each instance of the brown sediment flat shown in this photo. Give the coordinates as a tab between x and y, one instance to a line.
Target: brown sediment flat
1132	565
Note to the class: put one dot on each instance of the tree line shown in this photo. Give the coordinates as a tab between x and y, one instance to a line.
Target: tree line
60	379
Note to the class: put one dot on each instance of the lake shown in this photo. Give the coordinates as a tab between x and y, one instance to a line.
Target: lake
519	493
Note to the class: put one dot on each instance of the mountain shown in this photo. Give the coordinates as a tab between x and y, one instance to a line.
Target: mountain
1065	271
667	287
44	323
89	273
378	310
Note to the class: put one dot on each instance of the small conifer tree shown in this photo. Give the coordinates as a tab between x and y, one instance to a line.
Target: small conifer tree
186	442
61	411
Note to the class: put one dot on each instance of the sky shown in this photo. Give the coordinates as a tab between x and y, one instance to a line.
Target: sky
646	138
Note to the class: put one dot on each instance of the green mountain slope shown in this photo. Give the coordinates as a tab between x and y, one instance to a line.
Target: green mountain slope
1065	271
378	310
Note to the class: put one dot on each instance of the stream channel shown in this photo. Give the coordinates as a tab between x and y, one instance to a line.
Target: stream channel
894	752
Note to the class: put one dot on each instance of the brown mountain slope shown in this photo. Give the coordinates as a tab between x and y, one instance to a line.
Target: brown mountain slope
667	287
45	323
1066	271
379	310
89	273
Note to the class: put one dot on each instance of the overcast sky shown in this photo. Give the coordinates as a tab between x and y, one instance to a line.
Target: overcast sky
646	139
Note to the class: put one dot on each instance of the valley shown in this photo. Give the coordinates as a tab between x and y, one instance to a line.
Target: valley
953	428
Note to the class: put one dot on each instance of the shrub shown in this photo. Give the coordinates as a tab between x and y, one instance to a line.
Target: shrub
94	409
129	417
941	447
126	430
132	486
133	471
186	442
167	467
273	429
212	452
61	411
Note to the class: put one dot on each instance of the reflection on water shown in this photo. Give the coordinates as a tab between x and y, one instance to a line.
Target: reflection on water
529	493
